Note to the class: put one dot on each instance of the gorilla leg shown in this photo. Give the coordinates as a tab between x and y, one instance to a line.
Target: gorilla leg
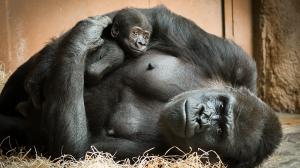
39	71
23	83
34	81
13	129
13	91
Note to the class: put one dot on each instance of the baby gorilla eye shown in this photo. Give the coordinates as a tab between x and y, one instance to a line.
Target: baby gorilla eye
135	33
146	35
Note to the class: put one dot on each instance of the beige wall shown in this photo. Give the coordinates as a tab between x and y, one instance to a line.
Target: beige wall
277	53
26	25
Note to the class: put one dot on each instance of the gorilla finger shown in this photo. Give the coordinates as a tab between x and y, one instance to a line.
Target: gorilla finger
96	44
102	20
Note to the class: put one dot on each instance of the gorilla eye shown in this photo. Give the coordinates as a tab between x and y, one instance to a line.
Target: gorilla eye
135	33
146	35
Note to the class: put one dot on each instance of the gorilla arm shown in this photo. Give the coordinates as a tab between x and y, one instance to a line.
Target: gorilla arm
63	111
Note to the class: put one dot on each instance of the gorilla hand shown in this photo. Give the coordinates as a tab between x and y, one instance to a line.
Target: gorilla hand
87	34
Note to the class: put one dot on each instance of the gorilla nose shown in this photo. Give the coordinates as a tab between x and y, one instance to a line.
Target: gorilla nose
206	113
195	114
140	44
196	108
203	115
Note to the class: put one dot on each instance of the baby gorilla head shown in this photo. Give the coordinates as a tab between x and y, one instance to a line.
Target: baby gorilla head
132	31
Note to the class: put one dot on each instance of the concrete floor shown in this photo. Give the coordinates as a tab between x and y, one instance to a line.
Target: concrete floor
288	154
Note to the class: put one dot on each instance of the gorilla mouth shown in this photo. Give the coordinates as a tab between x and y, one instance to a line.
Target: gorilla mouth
136	50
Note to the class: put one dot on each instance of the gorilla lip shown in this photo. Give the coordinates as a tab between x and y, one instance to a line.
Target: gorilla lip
190	127
186	120
133	48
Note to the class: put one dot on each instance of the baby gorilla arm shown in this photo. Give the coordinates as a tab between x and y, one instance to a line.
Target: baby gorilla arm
105	59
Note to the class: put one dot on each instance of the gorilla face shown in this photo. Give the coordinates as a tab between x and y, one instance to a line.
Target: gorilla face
233	122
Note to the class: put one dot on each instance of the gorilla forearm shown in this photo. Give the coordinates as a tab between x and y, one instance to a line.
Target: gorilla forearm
64	89
126	148
64	102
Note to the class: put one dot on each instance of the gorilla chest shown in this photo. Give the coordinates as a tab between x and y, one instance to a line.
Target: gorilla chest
160	76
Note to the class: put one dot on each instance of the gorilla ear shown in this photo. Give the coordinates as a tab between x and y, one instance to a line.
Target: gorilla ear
114	30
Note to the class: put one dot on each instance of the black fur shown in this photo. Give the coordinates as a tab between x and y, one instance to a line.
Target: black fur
190	89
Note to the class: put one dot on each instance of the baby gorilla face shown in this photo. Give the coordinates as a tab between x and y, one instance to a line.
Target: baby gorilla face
132	31
138	39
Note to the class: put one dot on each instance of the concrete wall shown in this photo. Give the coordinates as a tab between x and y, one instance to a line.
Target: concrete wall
277	52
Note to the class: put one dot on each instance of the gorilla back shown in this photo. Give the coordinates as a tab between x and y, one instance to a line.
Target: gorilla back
190	89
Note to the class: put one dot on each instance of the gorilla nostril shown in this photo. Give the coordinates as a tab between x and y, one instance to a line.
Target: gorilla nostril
198	120
223	103
141	43
200	108
200	113
221	108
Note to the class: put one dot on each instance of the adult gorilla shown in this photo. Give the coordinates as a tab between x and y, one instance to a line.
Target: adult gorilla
190	89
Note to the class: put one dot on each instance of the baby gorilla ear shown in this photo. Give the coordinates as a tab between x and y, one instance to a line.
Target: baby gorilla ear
115	30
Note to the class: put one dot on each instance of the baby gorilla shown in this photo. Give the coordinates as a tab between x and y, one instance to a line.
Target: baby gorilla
130	33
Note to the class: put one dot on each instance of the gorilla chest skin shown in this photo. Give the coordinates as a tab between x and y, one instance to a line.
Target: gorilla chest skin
143	87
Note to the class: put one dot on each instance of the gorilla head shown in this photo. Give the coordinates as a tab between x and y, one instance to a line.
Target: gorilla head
232	121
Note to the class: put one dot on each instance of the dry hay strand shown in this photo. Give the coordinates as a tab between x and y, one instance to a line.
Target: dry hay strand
20	158
96	158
